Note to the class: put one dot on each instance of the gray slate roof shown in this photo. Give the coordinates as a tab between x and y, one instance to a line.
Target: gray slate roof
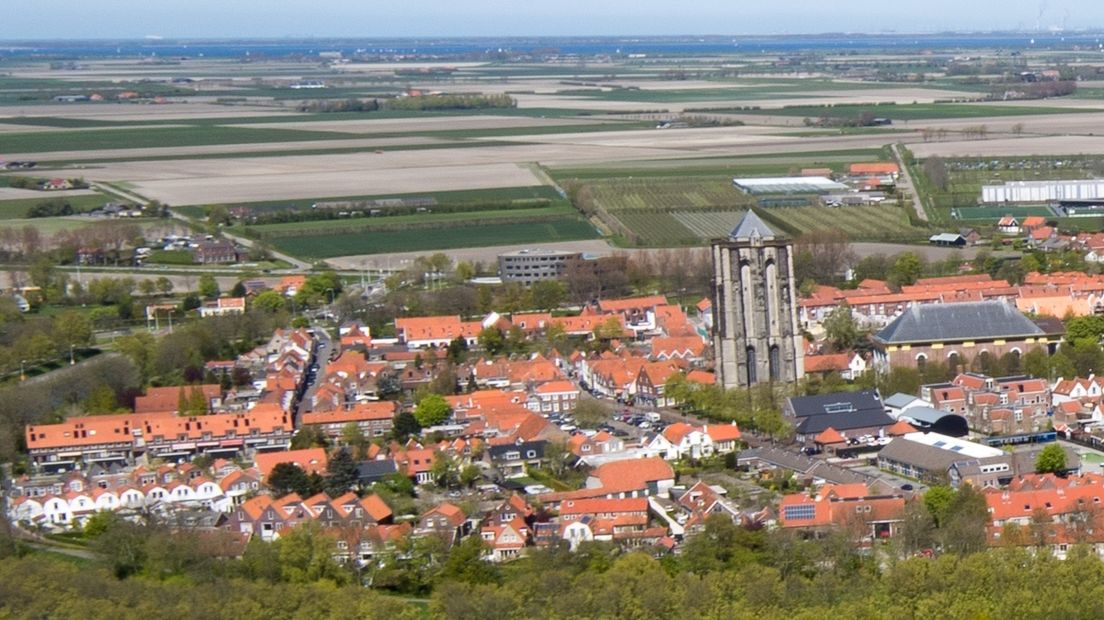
752	226
900	399
976	320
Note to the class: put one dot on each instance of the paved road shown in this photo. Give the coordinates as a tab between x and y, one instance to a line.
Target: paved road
906	186
325	349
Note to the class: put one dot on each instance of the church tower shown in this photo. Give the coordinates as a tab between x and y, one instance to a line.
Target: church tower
755	334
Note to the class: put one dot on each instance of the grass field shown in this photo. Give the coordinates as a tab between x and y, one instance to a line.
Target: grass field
17	209
907	112
868	222
431	239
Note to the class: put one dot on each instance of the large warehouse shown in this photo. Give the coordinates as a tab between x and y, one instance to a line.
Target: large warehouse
1042	191
788	185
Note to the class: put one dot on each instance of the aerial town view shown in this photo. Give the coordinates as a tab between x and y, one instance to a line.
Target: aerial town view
473	310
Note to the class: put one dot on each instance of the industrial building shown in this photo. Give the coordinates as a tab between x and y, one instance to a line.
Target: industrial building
1042	191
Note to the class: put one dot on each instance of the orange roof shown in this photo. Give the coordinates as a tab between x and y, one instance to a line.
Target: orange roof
631	303
429	328
451	512
557	387
1033	221
676	432
633	474
599	506
875	168
900	427
311	460
167	398
722	432
701	376
686	345
827	363
829	436
360	412
102	429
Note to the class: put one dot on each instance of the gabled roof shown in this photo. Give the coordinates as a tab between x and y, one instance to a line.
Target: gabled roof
829	436
959	321
751	226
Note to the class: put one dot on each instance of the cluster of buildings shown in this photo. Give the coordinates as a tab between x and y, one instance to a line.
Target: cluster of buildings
180	422
861	184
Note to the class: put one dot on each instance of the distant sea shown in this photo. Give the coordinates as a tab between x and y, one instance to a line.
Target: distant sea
580	46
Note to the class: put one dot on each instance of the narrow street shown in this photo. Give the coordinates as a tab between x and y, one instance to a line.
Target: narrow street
323	351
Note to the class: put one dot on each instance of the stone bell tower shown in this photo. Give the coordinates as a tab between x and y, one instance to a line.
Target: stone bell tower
755	334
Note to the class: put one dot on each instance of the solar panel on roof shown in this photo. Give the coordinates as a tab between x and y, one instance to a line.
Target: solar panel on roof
939	444
839	408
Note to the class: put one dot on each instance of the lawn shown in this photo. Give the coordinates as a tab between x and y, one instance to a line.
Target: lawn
171	257
50	225
17	209
432	239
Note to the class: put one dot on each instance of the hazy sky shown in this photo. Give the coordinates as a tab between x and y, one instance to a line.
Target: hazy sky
67	19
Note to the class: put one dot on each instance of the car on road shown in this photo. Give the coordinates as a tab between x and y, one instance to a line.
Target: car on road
567	428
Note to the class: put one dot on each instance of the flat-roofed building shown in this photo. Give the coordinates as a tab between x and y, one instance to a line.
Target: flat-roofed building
529	266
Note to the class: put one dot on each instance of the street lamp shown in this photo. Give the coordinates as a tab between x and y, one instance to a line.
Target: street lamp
22	370
71	360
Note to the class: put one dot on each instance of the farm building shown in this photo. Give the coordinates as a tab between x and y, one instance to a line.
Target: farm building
788	185
1042	191
948	239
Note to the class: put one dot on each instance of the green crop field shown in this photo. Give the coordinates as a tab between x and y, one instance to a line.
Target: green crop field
908	112
431	239
50	225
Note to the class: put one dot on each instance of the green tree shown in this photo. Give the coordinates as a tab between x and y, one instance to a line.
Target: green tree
465	564
353	436
208	286
71	328
307	555
164	285
432	410
269	301
841	329
456	349
938	501
547	295
342	473
470	474
308	437
491	340
102	400
962	529
907	269
444	471
590	412
289	478
1051	460
404	426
